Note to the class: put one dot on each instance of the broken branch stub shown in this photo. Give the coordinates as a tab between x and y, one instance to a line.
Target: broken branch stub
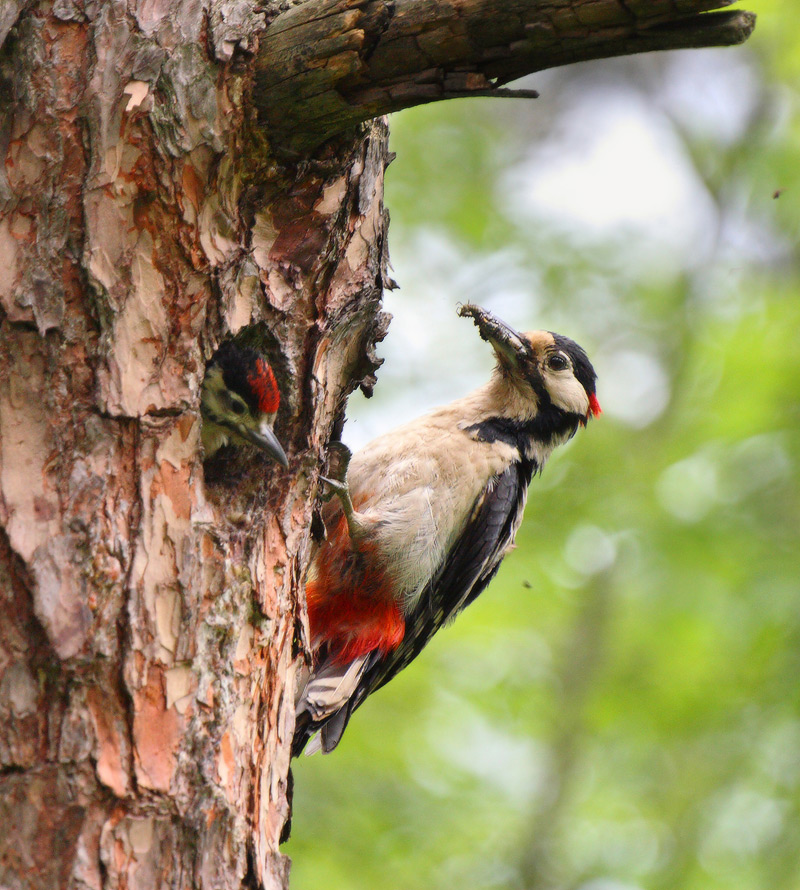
324	67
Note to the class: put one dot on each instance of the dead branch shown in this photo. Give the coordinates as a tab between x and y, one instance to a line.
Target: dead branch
324	67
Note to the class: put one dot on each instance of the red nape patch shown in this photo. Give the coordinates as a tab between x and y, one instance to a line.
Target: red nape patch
594	405
262	380
350	602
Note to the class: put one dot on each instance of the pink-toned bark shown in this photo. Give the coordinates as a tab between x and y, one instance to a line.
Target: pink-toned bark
153	614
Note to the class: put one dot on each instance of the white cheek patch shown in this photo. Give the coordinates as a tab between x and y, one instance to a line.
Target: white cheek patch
567	393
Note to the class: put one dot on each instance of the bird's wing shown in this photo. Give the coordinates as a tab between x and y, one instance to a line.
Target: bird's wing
464	574
466	571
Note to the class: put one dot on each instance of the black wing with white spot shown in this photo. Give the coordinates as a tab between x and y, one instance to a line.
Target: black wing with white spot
469	567
467	571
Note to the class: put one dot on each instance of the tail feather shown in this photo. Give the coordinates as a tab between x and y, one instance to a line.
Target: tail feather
303	730
325	704
330	687
331	733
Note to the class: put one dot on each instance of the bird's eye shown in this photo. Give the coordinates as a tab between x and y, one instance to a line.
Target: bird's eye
557	362
238	407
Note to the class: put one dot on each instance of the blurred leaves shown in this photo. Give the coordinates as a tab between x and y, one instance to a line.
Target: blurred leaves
621	708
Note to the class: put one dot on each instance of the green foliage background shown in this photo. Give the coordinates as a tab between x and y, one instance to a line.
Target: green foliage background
621	709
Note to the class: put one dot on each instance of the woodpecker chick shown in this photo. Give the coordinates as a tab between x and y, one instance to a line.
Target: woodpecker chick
239	401
432	509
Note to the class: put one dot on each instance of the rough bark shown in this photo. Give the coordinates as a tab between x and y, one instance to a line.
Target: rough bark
153	614
325	66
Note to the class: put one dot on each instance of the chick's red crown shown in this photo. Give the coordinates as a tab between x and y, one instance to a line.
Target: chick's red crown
263	383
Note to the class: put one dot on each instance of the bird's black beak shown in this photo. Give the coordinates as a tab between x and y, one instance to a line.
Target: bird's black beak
265	439
510	347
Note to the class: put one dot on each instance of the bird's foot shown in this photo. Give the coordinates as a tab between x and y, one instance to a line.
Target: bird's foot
336	488
336	484
338	460
342	491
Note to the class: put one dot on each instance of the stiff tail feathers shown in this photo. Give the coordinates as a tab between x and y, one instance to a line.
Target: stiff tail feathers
325	705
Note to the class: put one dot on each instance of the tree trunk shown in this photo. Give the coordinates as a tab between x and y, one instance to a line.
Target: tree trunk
153	609
146	702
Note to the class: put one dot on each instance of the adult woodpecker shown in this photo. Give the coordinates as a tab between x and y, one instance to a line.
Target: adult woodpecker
239	401
426	515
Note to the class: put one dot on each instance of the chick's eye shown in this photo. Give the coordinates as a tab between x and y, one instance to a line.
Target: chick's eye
557	362
238	407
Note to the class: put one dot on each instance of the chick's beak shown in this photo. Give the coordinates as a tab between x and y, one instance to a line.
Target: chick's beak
265	439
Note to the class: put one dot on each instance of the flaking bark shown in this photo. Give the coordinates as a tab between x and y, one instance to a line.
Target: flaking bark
152	619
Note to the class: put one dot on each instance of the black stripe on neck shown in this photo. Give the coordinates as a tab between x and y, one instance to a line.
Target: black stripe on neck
550	423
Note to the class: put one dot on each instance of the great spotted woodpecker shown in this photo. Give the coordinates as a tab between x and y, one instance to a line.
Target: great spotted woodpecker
239	401
425	517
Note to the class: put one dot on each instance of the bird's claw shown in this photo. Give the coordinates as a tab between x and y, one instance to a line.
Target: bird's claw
341	490
338	460
337	488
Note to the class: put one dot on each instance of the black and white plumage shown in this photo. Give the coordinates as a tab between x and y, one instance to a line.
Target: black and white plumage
428	513
239	401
